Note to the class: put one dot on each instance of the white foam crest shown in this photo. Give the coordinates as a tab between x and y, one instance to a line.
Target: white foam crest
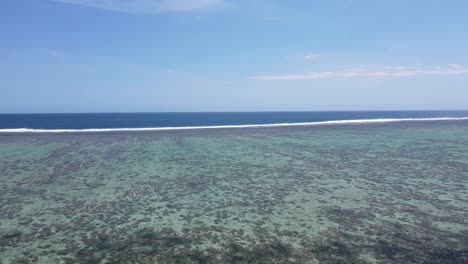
331	122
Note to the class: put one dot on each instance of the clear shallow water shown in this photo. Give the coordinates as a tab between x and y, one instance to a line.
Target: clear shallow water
373	193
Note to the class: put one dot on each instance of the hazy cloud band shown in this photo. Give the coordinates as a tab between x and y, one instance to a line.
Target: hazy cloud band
452	69
149	6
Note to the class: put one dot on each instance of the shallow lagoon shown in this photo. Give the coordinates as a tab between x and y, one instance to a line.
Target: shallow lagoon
374	193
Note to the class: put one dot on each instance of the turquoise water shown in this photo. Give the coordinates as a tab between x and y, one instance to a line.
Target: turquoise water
373	193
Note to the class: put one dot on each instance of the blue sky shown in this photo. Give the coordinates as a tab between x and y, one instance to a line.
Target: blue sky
232	55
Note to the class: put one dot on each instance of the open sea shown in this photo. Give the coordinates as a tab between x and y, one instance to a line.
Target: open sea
156	121
264	187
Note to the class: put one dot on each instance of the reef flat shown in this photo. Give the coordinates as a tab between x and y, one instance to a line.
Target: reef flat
373	193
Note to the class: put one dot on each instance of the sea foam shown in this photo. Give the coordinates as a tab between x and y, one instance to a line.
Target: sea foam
318	123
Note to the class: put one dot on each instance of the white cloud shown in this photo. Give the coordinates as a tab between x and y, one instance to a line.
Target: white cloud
310	56
451	69
150	6
305	57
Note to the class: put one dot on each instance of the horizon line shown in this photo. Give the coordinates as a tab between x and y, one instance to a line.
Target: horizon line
262	111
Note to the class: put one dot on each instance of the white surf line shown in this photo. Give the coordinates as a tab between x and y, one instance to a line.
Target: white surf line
331	122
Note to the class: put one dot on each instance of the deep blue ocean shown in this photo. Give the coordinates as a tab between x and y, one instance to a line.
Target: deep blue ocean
152	120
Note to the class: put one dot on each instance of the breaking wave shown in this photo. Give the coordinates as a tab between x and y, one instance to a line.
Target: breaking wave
330	122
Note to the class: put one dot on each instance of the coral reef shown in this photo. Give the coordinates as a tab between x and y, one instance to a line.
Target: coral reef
382	193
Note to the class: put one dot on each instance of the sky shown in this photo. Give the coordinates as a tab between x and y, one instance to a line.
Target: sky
232	55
